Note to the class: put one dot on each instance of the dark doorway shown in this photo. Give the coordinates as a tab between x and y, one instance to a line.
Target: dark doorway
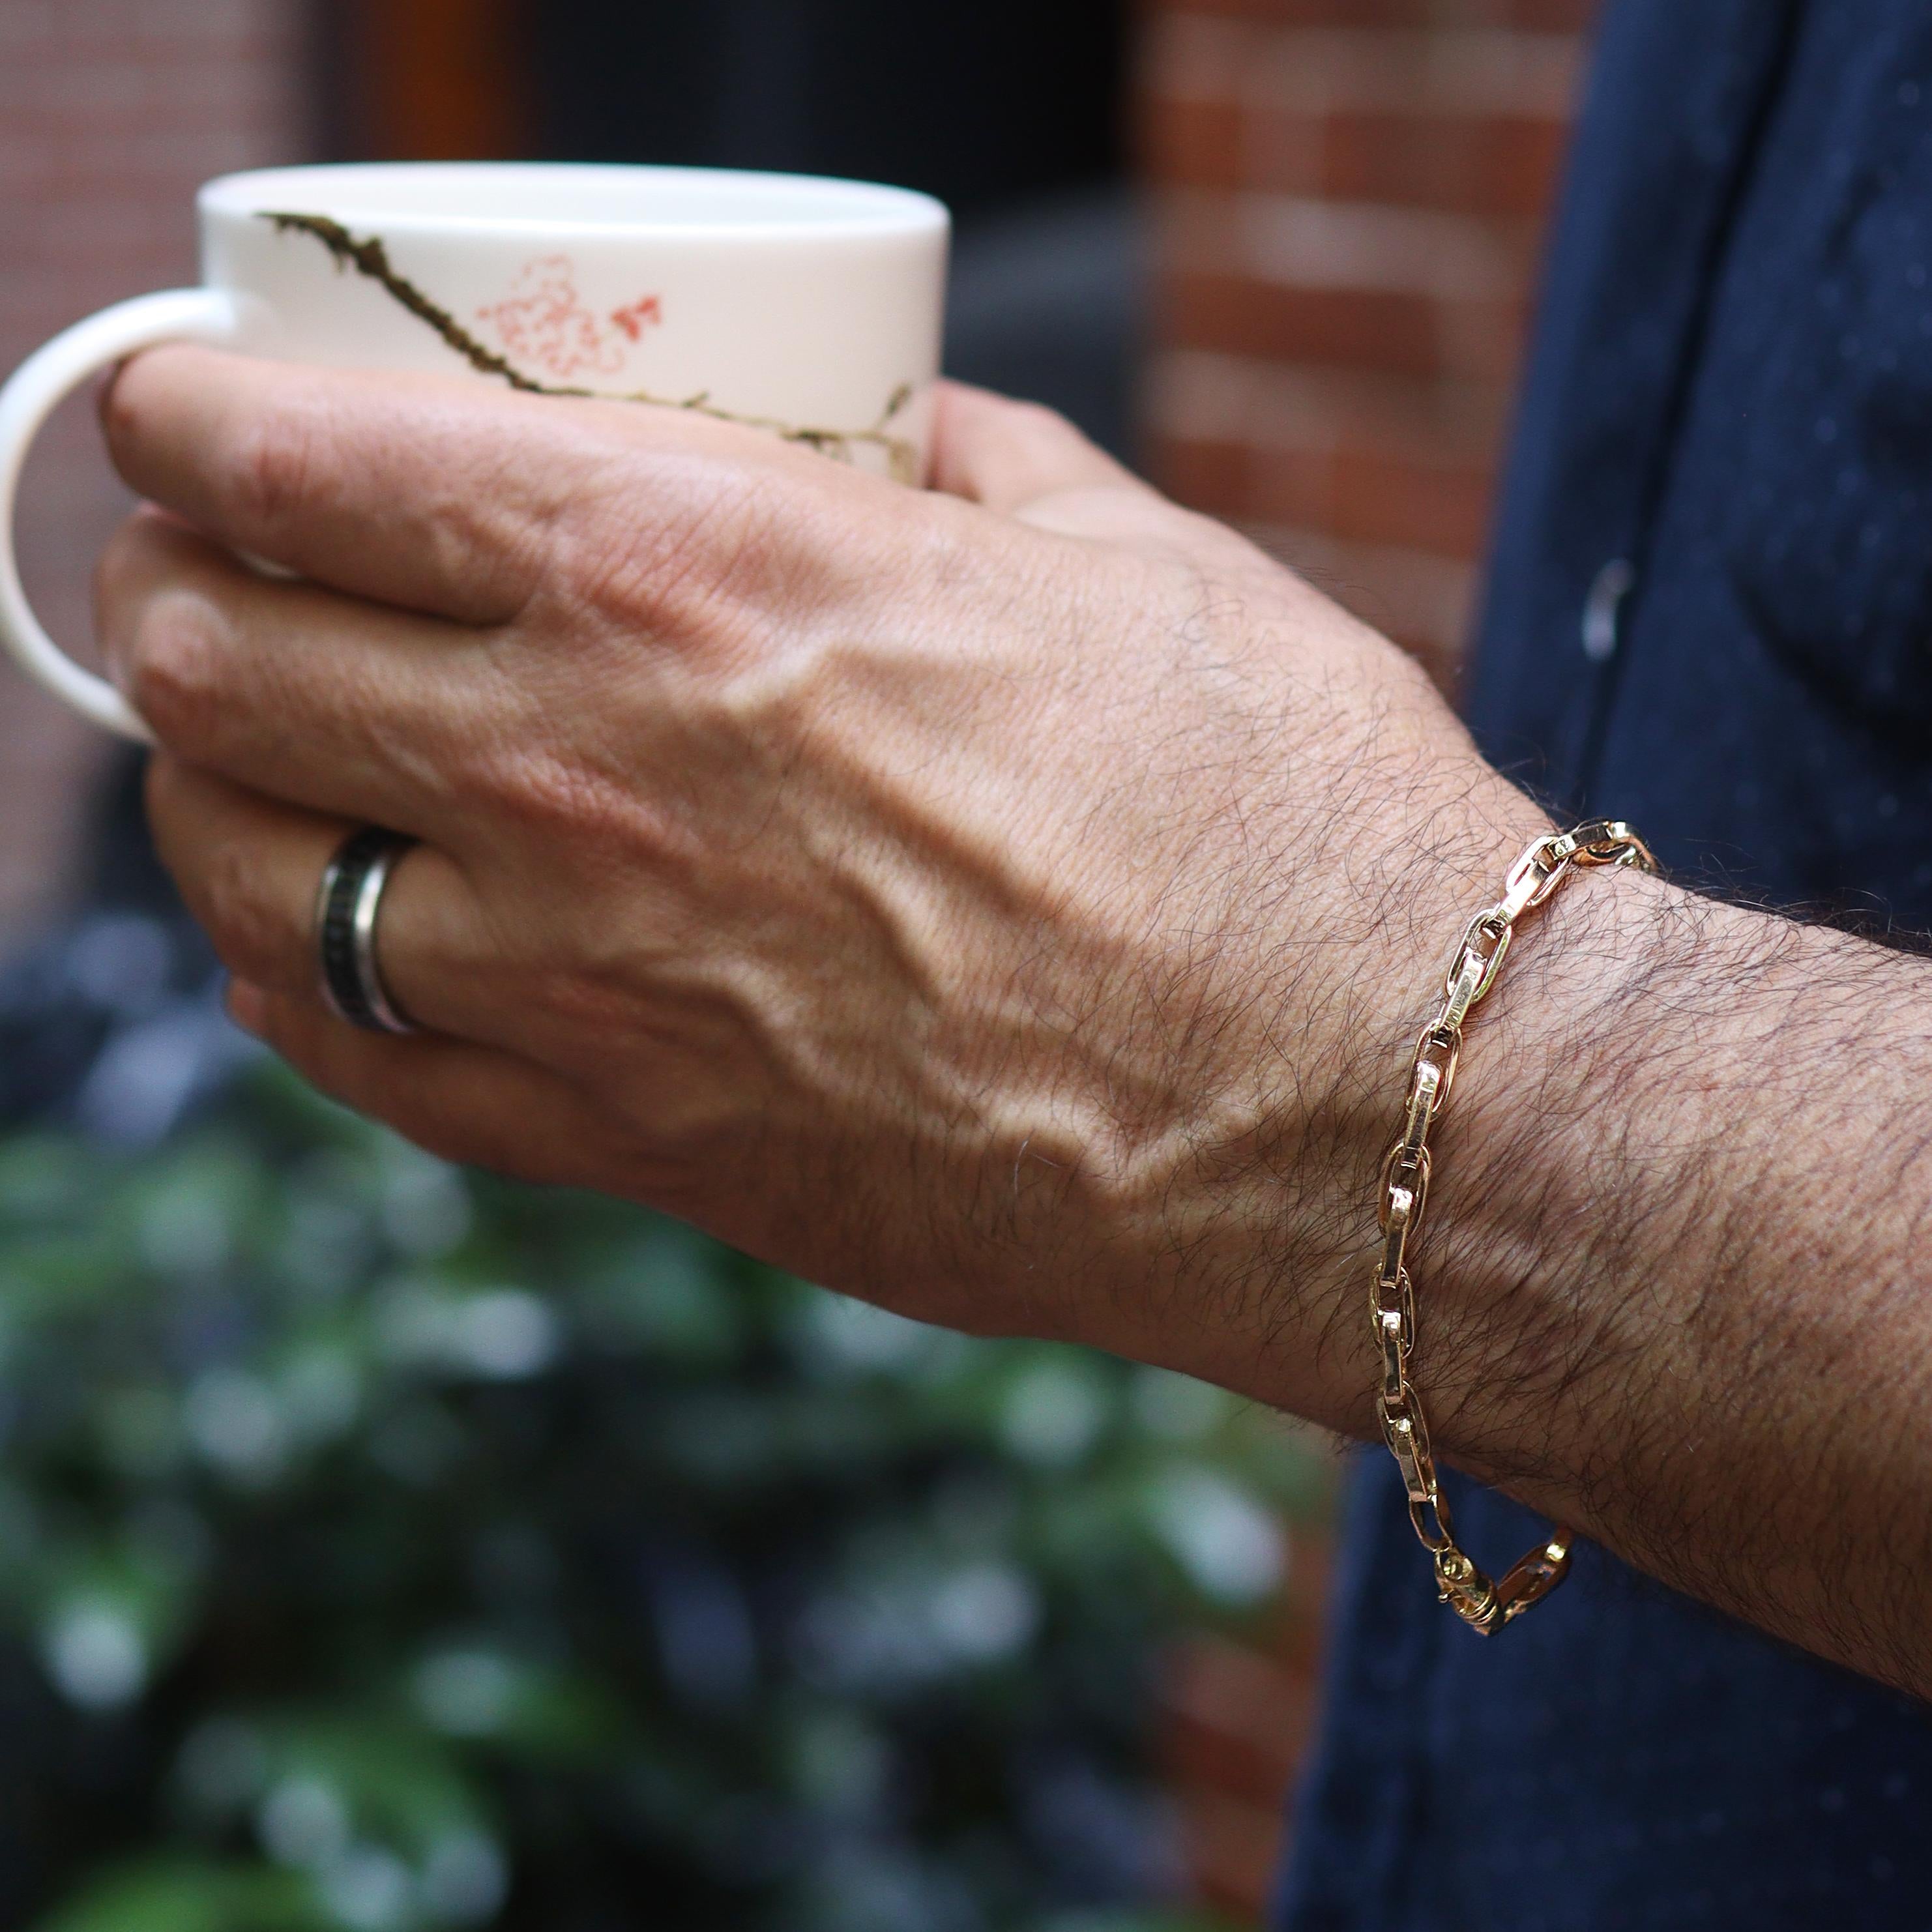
1008	110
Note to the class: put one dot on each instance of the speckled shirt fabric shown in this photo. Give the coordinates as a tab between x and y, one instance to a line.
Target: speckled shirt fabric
1730	412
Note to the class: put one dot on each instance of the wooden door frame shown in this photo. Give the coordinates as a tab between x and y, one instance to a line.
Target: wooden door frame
426	80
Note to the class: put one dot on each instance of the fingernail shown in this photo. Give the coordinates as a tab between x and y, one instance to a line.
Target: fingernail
247	1006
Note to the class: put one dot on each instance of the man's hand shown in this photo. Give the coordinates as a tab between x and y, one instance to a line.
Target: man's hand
1016	903
977	900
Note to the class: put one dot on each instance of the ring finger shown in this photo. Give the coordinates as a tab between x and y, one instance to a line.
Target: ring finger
249	867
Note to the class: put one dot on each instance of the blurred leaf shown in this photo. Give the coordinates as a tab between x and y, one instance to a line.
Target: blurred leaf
433	1540
187	1896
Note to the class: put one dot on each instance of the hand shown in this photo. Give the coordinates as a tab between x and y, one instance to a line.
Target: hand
1016	903
1012	903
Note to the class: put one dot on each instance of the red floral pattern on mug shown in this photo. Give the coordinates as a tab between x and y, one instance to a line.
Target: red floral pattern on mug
633	320
544	321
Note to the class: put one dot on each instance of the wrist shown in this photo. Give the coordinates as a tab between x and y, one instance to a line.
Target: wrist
1288	1232
1486	1601
1519	1355
1502	1311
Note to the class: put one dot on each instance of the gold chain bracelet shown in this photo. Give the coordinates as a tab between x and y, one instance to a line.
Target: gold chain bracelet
1484	1604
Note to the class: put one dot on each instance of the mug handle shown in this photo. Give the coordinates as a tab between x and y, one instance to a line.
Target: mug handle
31	393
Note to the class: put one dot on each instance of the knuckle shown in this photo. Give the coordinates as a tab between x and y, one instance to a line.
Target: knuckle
173	664
276	468
1041	419
1037	428
123	421
119	573
255	939
683	542
557	801
591	1000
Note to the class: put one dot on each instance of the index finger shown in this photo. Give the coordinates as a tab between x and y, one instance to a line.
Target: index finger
415	489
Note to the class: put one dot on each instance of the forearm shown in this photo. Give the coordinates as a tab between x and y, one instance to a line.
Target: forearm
1020	910
1671	1289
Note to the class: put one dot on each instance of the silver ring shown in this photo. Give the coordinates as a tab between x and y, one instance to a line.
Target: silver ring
347	903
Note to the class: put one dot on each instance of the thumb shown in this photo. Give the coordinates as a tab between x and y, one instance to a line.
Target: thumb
1007	455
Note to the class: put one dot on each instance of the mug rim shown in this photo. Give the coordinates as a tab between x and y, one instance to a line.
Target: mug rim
374	193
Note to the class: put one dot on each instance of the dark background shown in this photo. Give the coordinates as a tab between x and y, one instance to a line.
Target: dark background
987	103
1012	114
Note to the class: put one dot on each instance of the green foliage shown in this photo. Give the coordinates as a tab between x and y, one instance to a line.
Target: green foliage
386	1548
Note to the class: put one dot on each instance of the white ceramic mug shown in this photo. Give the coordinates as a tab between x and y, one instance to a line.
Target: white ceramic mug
809	308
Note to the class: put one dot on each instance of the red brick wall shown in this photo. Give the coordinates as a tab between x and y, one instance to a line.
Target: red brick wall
1239	1715
111	111
1348	197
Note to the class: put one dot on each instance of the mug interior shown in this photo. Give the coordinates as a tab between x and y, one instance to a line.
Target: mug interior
594	197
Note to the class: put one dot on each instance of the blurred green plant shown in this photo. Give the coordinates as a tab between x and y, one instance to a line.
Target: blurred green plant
384	1548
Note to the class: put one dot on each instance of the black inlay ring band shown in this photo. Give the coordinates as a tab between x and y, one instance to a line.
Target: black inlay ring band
347	903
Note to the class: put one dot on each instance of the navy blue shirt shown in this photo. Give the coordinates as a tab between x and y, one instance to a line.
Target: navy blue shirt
1710	612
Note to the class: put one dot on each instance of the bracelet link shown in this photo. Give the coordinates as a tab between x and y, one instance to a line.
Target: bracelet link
1405	1181
1539	871
1436	1055
1395	1353
1407	1435
1474	969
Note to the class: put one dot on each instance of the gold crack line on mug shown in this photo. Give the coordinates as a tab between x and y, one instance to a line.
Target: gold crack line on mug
369	258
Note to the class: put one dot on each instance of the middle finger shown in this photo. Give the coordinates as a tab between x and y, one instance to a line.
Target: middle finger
323	700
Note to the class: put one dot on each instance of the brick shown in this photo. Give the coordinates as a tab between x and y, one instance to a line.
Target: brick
1232	1850
1358	495
1369	328
1302	241
1423	602
1190	392
1247	1712
1193	143
1267	68
1320	241
1500	165
1393	501
1206	475
1390	330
